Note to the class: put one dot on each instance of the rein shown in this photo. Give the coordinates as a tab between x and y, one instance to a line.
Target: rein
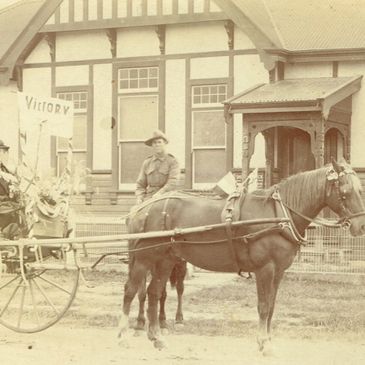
322	222
344	221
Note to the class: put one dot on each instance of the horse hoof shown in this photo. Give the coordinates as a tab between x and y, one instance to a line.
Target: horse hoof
139	327
179	325
164	331
138	332
159	344
268	350
124	343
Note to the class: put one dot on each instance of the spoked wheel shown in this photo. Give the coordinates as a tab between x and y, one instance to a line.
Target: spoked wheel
36	300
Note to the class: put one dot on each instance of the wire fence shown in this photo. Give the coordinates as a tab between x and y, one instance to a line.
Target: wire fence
329	250
96	226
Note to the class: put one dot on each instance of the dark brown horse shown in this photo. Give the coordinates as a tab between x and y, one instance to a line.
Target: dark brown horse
266	249
177	278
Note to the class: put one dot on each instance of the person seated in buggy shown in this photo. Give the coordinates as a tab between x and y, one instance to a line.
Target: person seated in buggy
8	196
7	178
159	172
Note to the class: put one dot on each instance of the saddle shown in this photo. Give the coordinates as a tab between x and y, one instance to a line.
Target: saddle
232	208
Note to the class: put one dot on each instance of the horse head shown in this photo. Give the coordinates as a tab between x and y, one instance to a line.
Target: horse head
343	196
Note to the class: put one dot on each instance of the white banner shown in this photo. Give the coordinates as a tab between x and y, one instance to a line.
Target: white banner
56	115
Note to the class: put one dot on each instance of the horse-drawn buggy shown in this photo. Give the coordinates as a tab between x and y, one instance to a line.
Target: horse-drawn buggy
258	232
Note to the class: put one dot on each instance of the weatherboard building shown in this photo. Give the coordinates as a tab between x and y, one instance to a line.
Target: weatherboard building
220	77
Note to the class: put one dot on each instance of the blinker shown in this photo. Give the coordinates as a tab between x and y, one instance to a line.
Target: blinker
332	175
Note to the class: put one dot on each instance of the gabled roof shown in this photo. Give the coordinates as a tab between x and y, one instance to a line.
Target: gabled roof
318	93
12	21
19	24
305	24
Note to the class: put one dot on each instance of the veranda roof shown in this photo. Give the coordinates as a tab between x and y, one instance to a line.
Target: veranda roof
316	93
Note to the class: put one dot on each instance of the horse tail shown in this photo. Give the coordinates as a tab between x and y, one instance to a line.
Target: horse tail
178	273
131	246
173	276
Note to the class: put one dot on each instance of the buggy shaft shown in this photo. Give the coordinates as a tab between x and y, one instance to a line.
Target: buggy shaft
87	241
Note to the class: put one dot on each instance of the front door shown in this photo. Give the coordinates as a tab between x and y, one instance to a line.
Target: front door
294	152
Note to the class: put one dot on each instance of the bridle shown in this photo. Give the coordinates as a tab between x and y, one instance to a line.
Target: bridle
345	214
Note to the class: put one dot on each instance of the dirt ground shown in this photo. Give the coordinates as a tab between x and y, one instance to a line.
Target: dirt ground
316	323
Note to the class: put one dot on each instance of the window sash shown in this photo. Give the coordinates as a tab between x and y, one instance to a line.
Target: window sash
138	79
134	109
208	95
79	99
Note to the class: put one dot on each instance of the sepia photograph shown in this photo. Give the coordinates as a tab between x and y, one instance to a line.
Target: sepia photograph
181	182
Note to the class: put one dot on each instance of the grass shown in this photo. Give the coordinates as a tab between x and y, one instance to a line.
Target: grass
305	308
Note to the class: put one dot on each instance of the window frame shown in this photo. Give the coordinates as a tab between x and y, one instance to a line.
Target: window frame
206	107
159	92
138	90
88	89
209	104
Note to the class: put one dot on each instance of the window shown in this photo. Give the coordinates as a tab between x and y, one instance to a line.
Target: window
208	134
138	79
79	138
204	95
138	116
79	99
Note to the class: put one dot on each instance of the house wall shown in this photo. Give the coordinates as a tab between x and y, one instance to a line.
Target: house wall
248	71
137	42
102	117
358	112
195	52
37	81
306	70
345	68
175	108
81	45
39	54
197	38
8	119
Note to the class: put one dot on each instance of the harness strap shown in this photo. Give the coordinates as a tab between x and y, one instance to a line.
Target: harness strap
291	226
322	222
231	245
262	233
165	214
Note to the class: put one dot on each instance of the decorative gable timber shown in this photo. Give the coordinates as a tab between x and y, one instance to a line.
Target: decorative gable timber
101	14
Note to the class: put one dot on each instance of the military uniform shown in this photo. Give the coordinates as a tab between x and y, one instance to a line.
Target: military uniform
4	181
6	178
158	174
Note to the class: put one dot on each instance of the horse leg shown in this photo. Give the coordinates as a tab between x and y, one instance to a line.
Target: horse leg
277	280
160	276
137	273
142	293
162	315
265	294
180	276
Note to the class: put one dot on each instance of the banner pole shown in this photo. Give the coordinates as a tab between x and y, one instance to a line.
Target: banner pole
37	155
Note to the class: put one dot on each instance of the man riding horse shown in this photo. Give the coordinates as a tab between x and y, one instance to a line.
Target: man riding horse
159	174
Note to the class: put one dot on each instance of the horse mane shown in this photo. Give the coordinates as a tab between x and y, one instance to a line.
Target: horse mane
310	185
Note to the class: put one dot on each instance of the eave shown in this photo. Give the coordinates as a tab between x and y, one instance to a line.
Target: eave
317	55
132	22
256	103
